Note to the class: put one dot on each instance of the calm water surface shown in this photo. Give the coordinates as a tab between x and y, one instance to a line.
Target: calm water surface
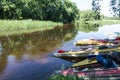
29	56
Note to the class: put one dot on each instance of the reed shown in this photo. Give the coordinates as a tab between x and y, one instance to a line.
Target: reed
25	26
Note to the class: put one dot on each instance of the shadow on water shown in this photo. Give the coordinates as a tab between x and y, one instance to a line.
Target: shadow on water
25	57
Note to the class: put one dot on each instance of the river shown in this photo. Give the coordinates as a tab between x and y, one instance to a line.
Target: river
30	56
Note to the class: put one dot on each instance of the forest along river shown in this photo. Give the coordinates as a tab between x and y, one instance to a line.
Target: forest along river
30	56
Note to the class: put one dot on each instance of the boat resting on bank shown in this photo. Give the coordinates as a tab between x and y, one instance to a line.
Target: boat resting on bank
76	56
99	67
98	73
86	42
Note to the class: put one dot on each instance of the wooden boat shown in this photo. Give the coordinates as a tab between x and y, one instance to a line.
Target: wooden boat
76	56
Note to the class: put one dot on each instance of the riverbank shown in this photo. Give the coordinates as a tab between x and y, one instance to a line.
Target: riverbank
9	27
105	22
87	26
100	22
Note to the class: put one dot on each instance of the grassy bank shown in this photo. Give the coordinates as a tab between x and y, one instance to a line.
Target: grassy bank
9	27
105	22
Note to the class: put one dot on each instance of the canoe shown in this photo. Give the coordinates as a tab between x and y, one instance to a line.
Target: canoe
86	42
101	73
71	56
98	59
85	62
93	68
76	56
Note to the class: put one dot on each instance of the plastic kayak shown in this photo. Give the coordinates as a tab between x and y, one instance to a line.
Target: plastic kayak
100	73
76	56
86	42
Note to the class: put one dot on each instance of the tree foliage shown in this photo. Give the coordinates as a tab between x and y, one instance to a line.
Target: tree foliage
88	15
115	7
55	10
96	5
96	8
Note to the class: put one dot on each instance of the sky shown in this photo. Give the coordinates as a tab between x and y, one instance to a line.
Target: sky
86	4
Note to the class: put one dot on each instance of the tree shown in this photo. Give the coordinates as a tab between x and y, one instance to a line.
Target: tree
70	11
87	15
115	7
55	10
96	8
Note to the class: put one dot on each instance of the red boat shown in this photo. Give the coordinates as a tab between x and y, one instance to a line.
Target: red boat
102	73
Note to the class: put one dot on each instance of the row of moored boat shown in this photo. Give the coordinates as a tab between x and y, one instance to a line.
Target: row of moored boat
97	57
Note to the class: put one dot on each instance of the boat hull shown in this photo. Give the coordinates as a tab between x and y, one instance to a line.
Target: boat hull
101	73
73	58
81	55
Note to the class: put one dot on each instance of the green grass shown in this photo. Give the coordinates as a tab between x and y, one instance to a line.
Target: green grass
9	27
61	77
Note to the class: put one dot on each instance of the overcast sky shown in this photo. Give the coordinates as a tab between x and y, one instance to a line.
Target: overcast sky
86	4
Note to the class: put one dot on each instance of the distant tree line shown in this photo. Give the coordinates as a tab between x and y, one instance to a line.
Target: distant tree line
90	15
55	10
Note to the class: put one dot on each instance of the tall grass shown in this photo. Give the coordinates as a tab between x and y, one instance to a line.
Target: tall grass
25	26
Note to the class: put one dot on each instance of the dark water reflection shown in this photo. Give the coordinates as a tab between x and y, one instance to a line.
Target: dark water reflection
29	56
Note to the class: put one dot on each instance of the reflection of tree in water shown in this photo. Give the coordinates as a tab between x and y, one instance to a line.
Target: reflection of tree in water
44	40
88	27
35	44
3	62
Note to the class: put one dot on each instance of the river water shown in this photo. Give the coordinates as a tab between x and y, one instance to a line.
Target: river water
30	56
